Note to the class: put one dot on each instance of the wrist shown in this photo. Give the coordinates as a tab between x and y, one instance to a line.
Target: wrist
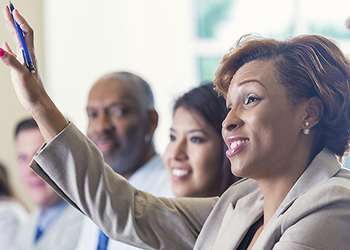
48	117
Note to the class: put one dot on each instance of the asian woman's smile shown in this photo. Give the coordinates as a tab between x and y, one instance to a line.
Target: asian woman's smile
194	156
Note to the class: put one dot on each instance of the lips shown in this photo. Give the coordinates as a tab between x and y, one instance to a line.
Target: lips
105	145
36	184
179	173
235	144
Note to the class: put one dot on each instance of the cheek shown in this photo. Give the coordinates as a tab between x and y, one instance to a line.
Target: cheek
89	130
166	157
207	162
24	172
127	130
260	126
43	196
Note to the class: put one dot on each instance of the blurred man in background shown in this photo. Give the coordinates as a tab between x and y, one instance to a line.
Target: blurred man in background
122	122
53	224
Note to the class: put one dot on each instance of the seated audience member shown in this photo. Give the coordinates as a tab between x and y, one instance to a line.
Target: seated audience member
12	213
122	121
195	156
288	120
54	224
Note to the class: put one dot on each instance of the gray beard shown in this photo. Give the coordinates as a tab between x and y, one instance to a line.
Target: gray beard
124	163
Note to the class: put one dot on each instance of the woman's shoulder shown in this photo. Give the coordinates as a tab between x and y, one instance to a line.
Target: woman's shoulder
318	217
329	196
331	190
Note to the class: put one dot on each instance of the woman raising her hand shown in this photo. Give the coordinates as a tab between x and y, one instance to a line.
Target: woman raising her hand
287	126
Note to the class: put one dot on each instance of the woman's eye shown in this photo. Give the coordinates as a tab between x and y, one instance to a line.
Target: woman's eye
228	109
252	98
196	140
172	138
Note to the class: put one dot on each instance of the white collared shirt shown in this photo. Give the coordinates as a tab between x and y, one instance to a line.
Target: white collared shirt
152	178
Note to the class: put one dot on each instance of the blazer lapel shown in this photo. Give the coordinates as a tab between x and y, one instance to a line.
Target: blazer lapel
236	217
321	169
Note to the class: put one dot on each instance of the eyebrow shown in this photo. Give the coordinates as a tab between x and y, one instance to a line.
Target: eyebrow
252	80
118	103
193	131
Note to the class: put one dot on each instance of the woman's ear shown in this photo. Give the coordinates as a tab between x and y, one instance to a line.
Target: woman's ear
314	110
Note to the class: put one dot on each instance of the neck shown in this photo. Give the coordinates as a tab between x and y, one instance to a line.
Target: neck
275	188
45	207
274	194
147	156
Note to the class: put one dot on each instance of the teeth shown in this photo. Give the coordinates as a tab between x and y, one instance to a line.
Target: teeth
236	143
179	172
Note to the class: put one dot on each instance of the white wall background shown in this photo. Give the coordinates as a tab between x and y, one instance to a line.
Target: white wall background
85	39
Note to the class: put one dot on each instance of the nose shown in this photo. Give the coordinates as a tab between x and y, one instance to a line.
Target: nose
179	150
231	122
103	123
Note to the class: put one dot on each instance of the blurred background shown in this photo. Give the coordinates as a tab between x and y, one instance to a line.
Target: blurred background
174	45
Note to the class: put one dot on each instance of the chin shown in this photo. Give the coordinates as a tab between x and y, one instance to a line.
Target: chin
180	193
238	171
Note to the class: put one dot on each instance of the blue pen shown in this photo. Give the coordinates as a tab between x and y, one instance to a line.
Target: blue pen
27	59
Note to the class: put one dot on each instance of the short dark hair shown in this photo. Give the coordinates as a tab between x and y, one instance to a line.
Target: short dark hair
306	66
26	124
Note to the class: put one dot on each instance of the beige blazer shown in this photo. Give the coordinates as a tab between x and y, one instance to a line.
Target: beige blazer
314	215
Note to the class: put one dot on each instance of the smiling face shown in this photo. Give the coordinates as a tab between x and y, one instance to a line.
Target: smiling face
118	124
262	129
194	156
27	144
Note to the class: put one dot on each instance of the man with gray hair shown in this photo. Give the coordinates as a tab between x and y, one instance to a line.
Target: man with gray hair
122	122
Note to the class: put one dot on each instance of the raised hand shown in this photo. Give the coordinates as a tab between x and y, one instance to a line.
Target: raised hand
29	87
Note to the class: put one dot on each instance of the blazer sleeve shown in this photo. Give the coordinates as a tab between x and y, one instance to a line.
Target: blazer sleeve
74	167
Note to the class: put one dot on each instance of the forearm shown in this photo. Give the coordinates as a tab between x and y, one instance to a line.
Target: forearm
48	117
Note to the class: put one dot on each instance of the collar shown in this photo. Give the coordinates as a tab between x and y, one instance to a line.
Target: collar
323	166
138	179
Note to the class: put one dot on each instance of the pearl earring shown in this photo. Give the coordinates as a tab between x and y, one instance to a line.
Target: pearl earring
307	130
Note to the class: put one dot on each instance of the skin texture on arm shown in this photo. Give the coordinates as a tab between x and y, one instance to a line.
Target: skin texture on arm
29	87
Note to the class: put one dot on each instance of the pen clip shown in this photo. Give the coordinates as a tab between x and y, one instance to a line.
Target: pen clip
25	59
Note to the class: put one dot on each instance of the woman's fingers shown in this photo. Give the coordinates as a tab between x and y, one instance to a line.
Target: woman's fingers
27	30
10	60
6	46
29	88
11	26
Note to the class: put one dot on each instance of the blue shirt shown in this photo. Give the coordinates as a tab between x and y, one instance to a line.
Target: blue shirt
48	216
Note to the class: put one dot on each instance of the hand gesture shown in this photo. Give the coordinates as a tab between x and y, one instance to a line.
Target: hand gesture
29	87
